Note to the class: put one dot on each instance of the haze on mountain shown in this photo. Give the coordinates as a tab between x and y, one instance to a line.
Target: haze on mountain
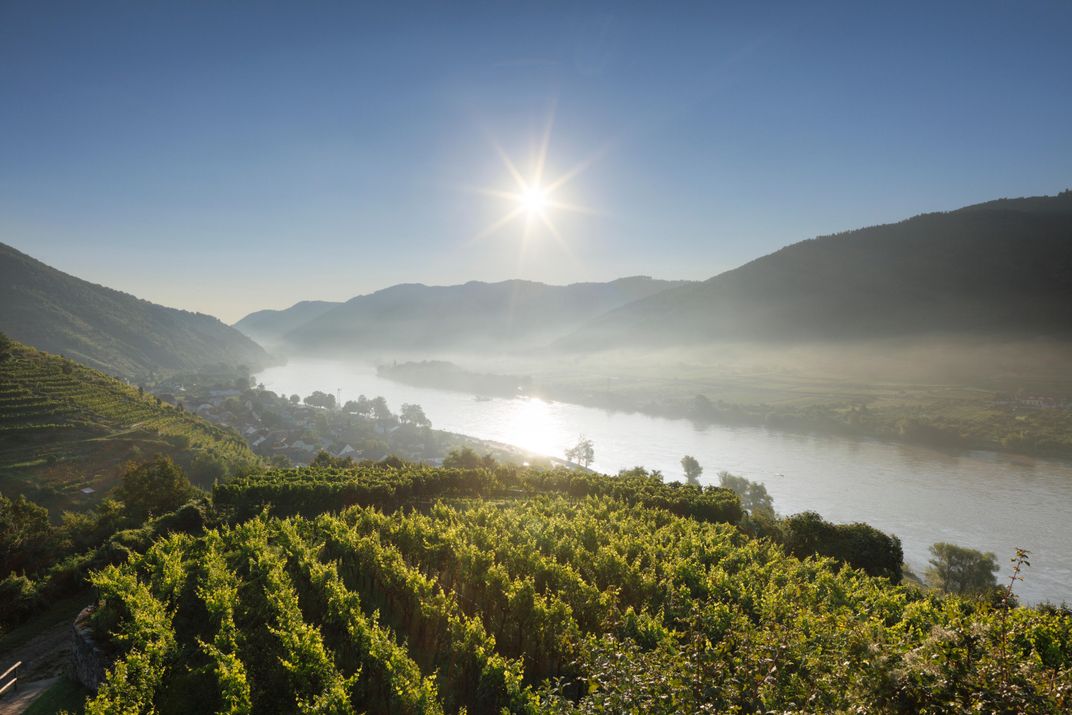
268	327
1001	268
109	330
511	314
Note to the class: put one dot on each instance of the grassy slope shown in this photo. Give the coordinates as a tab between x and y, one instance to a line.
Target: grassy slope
64	427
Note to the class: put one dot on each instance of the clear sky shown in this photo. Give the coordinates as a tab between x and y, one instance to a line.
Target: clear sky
231	156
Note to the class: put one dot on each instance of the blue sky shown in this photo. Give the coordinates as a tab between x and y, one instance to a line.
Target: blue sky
225	157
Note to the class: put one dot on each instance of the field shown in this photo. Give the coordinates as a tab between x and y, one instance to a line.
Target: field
564	597
65	427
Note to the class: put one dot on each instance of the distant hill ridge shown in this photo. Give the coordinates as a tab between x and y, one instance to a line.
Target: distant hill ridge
510	314
268	327
107	329
1002	267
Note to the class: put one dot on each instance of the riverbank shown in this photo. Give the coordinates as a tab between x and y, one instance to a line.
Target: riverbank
933	415
947	424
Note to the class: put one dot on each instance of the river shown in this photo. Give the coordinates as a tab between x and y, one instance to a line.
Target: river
987	501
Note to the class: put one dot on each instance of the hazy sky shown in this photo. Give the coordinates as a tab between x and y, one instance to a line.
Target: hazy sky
231	156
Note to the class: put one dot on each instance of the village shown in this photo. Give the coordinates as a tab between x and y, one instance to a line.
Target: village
292	430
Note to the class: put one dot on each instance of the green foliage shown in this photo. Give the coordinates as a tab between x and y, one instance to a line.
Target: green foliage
324	458
26	537
692	469
754	496
143	628
958	569
466	458
320	399
379	409
154	487
313	490
414	415
18	597
582	453
859	545
55	414
551	605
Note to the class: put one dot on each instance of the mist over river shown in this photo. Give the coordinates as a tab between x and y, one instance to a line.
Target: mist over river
987	501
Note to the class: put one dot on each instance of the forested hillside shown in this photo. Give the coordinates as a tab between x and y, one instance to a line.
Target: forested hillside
65	427
507	315
999	269
107	329
549	593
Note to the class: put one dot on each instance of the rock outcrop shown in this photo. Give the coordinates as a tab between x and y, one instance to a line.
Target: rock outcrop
88	661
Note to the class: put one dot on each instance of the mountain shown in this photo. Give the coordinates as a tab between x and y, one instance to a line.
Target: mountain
510	315
268	327
107	329
65	427
998	268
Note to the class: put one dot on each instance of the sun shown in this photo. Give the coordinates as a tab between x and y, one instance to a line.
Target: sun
534	201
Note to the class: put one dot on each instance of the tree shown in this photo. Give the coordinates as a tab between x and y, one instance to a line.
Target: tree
958	569
380	410
859	545
324	458
466	458
154	487
208	467
754	496
5	346
364	406
320	399
295	399
692	468
582	453
414	415
639	472
26	537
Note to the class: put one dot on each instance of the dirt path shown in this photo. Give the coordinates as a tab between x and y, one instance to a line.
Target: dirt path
43	657
16	703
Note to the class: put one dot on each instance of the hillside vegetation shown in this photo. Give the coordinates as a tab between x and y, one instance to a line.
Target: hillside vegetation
1002	268
107	329
576	596
65	427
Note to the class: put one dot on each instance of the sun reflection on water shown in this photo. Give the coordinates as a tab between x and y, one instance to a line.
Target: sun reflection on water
533	426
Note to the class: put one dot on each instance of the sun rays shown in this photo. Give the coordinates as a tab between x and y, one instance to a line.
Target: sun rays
534	201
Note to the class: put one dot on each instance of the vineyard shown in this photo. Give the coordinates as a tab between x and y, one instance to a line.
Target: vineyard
53	410
542	603
311	490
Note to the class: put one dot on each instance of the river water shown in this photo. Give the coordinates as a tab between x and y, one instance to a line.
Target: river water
987	501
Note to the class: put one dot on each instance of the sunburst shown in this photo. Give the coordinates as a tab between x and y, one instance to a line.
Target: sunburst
534	201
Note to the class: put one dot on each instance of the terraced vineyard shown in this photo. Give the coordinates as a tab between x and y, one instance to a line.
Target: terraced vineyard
54	411
543	603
